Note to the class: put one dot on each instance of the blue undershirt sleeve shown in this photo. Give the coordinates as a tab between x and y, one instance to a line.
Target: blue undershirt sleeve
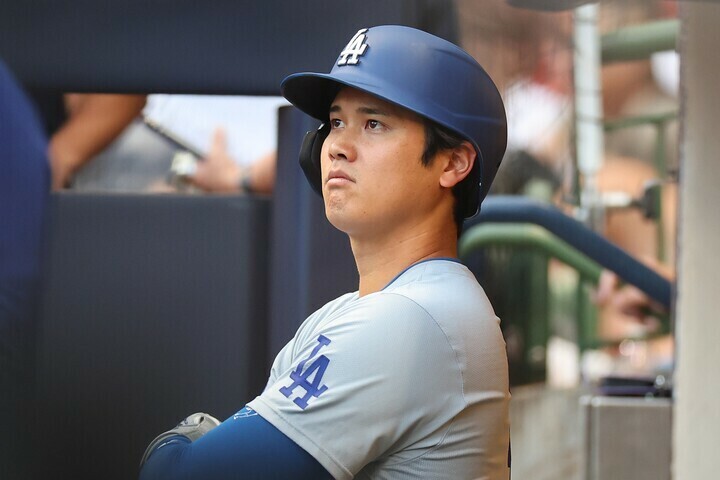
246	446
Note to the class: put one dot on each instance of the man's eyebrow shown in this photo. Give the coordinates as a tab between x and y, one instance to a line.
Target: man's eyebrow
373	111
365	110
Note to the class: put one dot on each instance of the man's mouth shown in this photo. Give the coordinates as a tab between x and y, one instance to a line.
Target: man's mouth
338	177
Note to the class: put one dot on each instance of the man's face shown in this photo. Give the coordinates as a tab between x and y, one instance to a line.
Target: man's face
373	178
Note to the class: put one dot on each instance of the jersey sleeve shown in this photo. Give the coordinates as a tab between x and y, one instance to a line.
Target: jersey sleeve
376	378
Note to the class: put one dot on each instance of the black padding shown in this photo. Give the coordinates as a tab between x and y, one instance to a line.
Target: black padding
310	156
154	308
215	46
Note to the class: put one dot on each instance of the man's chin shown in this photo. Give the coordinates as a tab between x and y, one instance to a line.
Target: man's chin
338	220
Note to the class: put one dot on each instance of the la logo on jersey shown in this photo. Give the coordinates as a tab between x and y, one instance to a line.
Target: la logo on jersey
246	412
301	376
354	49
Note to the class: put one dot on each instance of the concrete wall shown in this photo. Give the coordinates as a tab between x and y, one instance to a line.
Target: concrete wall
697	392
546	433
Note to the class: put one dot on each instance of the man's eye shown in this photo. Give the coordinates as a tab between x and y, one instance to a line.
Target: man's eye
373	124
336	123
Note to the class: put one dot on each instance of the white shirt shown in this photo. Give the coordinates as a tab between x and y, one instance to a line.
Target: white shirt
250	123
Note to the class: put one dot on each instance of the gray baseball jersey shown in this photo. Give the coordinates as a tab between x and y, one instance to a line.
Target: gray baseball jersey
407	382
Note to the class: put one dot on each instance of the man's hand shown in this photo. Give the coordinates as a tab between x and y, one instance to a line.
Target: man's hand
626	299
192	428
627	309
217	172
63	162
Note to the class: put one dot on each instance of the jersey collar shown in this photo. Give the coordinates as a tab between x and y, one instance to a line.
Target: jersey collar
447	259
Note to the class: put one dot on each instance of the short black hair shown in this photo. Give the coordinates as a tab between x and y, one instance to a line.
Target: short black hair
438	138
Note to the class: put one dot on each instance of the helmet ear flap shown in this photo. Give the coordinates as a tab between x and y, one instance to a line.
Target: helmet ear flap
310	156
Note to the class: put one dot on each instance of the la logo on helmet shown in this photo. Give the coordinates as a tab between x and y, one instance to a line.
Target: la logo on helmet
354	49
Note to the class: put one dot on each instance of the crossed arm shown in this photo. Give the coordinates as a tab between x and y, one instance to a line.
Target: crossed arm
245	446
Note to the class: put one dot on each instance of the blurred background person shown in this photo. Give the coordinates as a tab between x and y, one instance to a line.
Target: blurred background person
24	185
531	55
80	126
218	172
99	142
93	122
234	138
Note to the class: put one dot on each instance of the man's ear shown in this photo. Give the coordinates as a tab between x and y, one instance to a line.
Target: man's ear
459	163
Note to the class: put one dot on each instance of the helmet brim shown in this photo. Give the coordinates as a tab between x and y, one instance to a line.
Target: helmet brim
313	93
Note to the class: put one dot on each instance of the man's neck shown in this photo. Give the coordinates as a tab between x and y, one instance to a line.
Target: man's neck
381	259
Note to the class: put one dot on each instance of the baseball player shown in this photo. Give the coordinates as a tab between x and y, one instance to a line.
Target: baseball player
406	377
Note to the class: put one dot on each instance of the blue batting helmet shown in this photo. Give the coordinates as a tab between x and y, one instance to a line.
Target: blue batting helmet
422	73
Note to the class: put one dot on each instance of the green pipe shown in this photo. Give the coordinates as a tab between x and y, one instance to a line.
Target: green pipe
587	315
639	41
528	235
658	119
536	237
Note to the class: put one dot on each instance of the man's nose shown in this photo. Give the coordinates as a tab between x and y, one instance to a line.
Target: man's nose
342	145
